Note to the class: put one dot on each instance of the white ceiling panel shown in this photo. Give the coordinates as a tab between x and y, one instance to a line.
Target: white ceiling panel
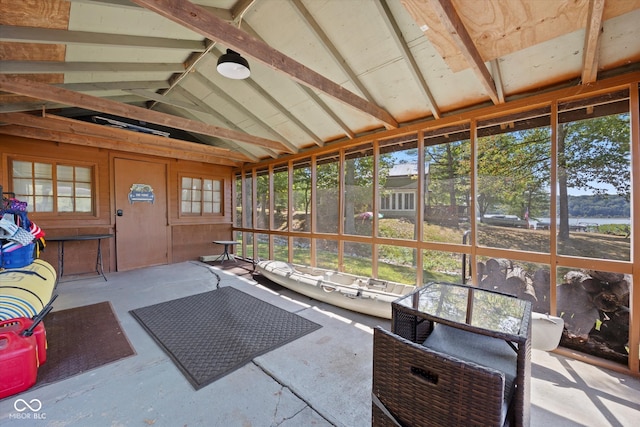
367	66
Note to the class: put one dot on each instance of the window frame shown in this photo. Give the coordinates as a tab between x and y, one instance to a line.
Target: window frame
396	201
55	213
201	214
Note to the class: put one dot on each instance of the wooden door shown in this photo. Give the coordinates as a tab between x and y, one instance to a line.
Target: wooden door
141	214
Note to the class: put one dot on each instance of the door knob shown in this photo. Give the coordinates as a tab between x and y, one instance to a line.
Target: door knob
119	212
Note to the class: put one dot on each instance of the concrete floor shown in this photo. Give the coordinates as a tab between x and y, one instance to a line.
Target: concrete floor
321	379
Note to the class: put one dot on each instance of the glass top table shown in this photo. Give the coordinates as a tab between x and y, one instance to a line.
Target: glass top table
477	311
490	311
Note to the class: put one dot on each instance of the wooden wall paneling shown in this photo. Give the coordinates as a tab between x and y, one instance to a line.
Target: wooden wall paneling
80	256
190	242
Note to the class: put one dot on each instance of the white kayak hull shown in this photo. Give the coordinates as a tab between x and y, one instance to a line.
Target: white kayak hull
355	293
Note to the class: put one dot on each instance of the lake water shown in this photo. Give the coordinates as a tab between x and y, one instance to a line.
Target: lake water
599	221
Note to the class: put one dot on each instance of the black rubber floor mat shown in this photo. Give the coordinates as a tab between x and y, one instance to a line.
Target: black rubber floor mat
80	339
211	334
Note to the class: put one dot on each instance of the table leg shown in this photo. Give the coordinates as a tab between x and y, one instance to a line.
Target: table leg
99	268
60	258
222	255
225	254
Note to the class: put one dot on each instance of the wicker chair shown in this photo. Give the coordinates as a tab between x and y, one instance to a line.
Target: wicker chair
416	386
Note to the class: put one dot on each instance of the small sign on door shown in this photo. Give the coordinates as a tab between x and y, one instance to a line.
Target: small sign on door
141	193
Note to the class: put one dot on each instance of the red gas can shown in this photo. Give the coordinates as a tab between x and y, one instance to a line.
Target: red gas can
21	324
19	361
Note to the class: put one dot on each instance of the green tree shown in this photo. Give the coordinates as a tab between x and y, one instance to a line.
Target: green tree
358	182
592	152
448	175
513	171
302	188
262	190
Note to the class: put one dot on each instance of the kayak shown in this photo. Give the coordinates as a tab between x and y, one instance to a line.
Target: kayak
356	293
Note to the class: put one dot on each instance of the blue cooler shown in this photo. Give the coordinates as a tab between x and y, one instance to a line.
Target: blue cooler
17	258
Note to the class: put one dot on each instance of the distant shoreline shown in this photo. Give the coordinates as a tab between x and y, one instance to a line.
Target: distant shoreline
599	221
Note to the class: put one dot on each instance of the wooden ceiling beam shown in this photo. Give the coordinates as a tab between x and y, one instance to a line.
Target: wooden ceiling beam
48	67
244	110
50	93
118	85
190	66
224	14
451	20
323	105
38	104
49	35
240	8
593	32
387	15
312	95
149	95
66	125
497	78
283	110
199	20
225	143
338	59
221	118
110	144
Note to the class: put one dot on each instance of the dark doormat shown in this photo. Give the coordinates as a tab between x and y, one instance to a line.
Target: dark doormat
81	339
211	334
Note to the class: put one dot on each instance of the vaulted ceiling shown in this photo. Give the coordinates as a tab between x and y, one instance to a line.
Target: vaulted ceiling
322	71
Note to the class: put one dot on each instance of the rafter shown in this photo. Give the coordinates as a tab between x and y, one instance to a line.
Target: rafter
219	12
111	144
149	95
592	41
323	105
449	17
284	111
497	78
190	66
312	95
198	19
50	67
50	35
42	91
78	127
118	85
238	105
338	59
222	119
408	56
240	8
39	104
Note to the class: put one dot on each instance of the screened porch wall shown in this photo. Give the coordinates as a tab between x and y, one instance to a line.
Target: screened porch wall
528	162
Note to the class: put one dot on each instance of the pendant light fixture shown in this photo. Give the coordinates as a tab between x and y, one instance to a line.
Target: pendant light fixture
233	66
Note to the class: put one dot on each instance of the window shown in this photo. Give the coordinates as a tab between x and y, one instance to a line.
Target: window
201	196
400	201
385	202
52	187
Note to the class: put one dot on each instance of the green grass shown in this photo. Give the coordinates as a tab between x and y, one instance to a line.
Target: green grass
397	263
